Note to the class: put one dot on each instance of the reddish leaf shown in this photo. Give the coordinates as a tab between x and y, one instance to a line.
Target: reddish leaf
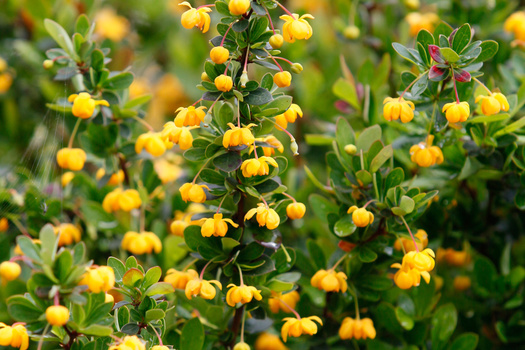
462	76
435	53
437	74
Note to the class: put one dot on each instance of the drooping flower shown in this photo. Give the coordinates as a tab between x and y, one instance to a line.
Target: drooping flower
237	136
141	243
179	279
456	112
84	105
265	216
257	166
453	257
360	216
4	224
276	41
294	327
268	341
418	21
168	168
71	158
357	329
395	108
295	210
69	234
423	261
110	25
407	277
57	315
516	24
119	199
289	116
183	219
493	103
282	79
196	17
216	227
115	178
15	336
223	83
193	192
219	54
129	342
9	270
66	178
272	141
154	143
426	155
238	7
296	28
241	346
190	116
461	283
283	302
178	135
242	294
330	281
98	279
202	288
408	244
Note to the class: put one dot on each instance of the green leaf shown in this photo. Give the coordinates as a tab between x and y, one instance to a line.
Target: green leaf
132	277
322	206
61	37
518	124
484	275
159	288
224	115
280	104
488	118
488	49
49	244
347	92
82	25
345	226
410	55
450	55
443	325
152	276
192	336
278	286
314	180
212	177
97	330
394	178
22	309
316	254
258	97
407	204
367	255
404	319
119	82
368	137
461	38
154	315
466	341
380	159
228	162
29	248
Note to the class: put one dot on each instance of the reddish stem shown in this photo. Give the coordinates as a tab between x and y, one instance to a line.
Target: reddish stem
284	59
270	19
204	269
199	100
456	90
227	30
292	198
411	235
285	9
291	309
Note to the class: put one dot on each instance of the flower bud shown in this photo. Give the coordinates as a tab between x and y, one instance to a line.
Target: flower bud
223	83
239	7
160	347
351	32
412	4
205	77
4	225
244	78
207	119
241	346
9	271
276	41
219	54
282	79
297	68
48	64
351	149
295	148
295	210
57	315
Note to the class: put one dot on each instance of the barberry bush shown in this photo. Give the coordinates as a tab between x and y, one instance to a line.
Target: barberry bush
262	175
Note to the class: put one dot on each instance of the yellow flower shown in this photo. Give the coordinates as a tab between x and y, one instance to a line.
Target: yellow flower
407	277
139	87
238	136
398	107
121	200
192	192
71	158
457	112
357	329
516	24
3	65
168	168
6	80
257	166
190	116
153	143
9	270
98	279
453	257
276	41
296	27
423	261
282	79
109	25
289	116
241	345
223	83
202	288
239	7
418	21
294	327
129	342
141	243
69	234
408	244
84	105
115	179
360	216
272	141
57	315
426	155
15	336
493	104
329	281
66	178
462	283
265	216
160	347
198	17
178	135
295	210
242	294
279	301
4	225
351	32
179	279
183	220
217	226
268	341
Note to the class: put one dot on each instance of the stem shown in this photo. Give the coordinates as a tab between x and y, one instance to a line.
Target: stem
402	245
238	113
56	299
362	160
212	5
227	30
205	267
283	59
412	83
41	341
432	118
288	258
73	134
204	166
411	235
242	326
269	55
227	65
292	138
292	198
270	19
291	309
367	203
264	201
246	58
285	9
157	334
455	90
143	122
220	204
199	100
339	261
352	291
21	228
190	264
376	190
240	274
482	85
